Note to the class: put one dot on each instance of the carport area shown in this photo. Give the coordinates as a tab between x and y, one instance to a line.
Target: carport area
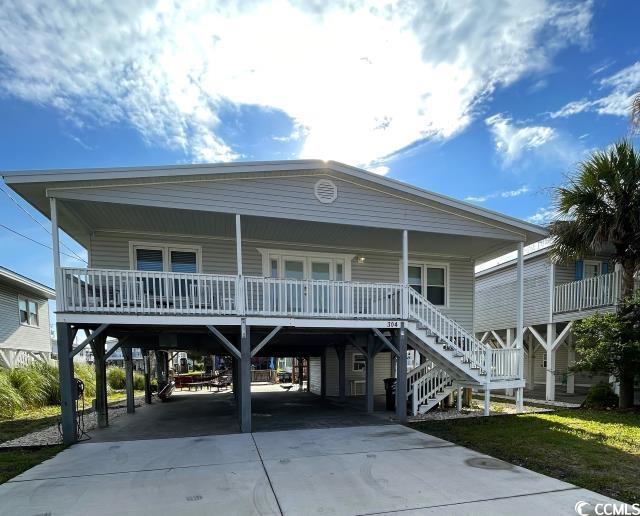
200	413
364	470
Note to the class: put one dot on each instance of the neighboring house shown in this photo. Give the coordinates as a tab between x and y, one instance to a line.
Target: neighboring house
302	258
556	295
24	319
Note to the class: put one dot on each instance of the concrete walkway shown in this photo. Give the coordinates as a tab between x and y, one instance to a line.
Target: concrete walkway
352	470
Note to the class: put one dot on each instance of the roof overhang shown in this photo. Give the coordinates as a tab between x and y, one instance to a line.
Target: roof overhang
23	283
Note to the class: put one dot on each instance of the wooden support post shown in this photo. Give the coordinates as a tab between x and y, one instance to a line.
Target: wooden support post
245	378
401	380
128	379
467	396
147	376
159	374
487	400
342	394
519	344
520	400
532	363
550	392
68	390
571	361
405	274
102	413
459	399
300	373
370	363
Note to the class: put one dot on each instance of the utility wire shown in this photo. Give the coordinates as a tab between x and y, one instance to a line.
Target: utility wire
39	243
41	224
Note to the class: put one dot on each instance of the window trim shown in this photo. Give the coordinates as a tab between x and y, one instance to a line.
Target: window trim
424	266
28	300
353	362
307	257
166	249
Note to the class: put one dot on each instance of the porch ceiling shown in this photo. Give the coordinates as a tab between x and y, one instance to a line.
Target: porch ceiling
79	219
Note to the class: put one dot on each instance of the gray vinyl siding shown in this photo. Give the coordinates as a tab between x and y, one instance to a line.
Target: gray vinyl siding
496	295
111	251
381	370
291	196
314	375
14	335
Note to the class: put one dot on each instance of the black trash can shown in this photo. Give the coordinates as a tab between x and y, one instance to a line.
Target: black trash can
390	393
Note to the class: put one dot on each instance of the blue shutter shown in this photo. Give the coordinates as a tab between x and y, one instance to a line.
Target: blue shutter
579	269
605	267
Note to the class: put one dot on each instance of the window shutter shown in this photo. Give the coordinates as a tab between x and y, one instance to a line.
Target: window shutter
605	267
579	269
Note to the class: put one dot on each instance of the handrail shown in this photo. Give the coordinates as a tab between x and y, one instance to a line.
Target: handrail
428	386
418	372
447	329
588	293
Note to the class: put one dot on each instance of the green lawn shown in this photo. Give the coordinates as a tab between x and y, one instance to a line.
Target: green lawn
592	449
13	463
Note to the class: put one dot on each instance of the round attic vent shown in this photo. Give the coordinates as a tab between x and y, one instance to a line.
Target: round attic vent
325	191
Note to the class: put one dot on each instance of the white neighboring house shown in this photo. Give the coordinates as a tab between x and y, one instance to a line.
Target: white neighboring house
24	319
305	258
556	295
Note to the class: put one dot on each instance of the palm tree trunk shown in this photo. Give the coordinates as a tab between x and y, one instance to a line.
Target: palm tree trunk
628	280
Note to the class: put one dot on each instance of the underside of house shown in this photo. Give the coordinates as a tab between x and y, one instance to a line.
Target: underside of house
305	259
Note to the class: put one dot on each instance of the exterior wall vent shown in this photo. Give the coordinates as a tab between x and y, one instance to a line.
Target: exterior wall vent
325	191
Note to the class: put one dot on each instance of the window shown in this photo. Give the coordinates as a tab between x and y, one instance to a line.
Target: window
359	362
430	280
28	312
544	360
278	263
167	258
436	286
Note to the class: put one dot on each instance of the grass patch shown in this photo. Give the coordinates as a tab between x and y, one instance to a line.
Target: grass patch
12	463
596	450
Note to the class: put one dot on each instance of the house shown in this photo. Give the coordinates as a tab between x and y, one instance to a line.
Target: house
305	258
24	319
556	295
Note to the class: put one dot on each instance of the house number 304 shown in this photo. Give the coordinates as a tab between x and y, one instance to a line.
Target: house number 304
393	324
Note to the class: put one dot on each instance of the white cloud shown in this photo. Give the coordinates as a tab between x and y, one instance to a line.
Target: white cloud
504	195
621	86
364	80
543	215
512	141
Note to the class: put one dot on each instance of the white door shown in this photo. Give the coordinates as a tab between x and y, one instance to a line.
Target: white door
293	268
319	297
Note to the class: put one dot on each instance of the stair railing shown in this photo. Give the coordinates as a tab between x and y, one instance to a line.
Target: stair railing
428	386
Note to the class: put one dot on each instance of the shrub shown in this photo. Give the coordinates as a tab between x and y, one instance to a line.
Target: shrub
601	396
138	381
50	381
116	378
29	382
10	399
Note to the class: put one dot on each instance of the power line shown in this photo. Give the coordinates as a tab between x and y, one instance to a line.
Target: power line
40	243
40	223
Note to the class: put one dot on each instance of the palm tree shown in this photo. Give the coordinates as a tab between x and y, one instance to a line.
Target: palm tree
600	206
635	113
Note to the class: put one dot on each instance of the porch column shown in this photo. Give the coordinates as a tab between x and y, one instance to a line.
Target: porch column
128	379
550	393
571	361
401	380
240	286
323	374
342	396
405	274
510	343
245	378
55	245
520	310
300	363
370	371
147	376
102	414
67	384
159	365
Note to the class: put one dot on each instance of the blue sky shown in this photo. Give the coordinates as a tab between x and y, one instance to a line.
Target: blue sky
492	102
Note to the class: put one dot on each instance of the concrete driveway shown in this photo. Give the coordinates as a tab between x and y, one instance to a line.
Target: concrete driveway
356	470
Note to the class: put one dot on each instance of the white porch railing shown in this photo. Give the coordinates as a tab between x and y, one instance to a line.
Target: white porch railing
428	387
505	363
141	292
589	293
418	372
316	298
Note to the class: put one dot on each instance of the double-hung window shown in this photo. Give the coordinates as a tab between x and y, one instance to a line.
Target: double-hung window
28	310
430	280
359	362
